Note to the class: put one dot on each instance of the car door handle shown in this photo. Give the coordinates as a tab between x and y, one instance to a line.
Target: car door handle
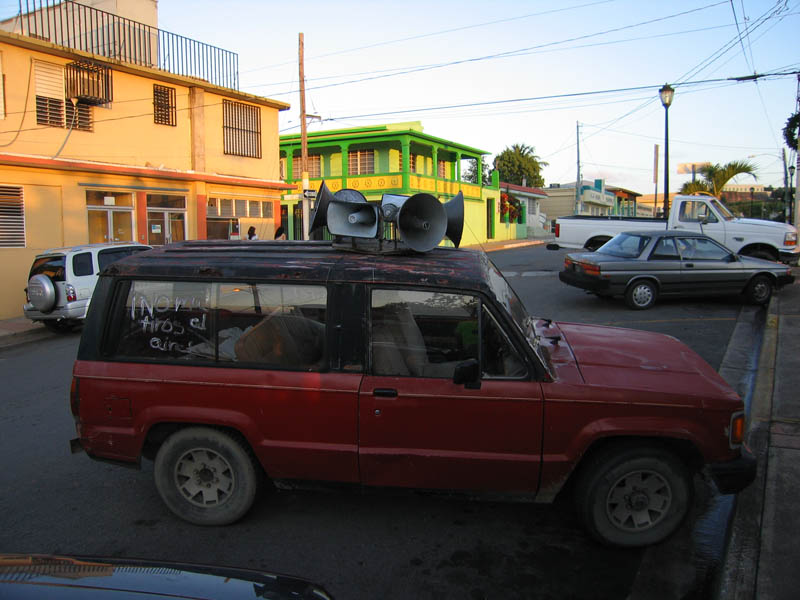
385	392
689	265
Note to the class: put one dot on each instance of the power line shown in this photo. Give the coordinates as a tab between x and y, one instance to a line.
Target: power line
434	33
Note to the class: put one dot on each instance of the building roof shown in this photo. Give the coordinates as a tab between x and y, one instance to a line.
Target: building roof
525	191
411	128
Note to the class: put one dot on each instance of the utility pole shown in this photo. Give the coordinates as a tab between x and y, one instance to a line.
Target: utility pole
303	142
578	176
796	207
787	196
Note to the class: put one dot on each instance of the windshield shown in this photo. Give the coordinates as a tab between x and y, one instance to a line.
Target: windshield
722	210
625	245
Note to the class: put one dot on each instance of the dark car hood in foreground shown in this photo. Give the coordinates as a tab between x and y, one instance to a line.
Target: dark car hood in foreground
631	359
58	577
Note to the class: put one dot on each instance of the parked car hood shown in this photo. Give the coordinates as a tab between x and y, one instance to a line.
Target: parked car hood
83	578
761	223
631	359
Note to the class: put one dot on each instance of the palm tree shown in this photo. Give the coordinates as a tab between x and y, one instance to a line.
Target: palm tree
716	176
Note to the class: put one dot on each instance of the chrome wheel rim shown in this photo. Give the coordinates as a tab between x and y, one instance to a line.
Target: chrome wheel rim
204	477
638	501
642	295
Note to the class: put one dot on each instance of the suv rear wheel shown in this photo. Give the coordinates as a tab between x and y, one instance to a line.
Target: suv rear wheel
205	476
633	496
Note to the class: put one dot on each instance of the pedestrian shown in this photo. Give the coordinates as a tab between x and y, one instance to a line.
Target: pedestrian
280	234
251	234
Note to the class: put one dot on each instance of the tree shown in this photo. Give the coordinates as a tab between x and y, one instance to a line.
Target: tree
716	176
790	130
518	162
471	174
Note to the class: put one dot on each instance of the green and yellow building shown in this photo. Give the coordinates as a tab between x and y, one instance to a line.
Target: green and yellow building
396	158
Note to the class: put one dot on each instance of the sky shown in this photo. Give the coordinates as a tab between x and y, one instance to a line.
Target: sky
493	74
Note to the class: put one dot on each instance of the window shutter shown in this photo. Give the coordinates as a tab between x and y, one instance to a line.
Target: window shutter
12	217
49	80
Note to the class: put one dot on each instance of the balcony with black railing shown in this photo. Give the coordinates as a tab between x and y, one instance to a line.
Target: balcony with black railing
80	27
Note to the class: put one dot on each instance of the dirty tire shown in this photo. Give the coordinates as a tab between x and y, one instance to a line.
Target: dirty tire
633	496
759	290
641	294
206	477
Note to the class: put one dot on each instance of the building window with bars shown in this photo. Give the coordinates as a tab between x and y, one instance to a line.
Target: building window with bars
12	217
52	109
442	168
361	162
164	105
241	128
314	164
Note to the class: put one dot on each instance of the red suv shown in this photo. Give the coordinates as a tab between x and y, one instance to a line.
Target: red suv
232	363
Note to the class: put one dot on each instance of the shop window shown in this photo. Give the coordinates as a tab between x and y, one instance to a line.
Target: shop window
110	216
241	128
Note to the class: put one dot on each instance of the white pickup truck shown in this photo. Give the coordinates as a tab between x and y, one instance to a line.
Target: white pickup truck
705	214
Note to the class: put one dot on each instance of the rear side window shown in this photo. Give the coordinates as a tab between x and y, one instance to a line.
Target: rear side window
82	264
257	325
106	257
52	266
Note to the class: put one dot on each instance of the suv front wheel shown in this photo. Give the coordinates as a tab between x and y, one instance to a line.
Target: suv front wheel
205	476
633	496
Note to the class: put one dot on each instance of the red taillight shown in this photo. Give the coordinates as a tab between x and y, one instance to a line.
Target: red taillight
591	269
558	230
567	263
71	295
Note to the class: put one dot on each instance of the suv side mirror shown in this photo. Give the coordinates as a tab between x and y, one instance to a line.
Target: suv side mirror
468	373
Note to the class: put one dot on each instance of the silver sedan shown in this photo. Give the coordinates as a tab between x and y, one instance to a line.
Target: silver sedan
641	266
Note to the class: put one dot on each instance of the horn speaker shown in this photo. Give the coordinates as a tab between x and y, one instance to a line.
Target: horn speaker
454	209
350	214
421	220
319	217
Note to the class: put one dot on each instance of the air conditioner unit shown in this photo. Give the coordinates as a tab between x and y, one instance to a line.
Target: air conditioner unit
89	82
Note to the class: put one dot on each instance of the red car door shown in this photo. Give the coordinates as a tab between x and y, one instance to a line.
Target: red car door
417	428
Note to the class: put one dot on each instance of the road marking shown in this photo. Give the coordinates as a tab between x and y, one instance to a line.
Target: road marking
528	273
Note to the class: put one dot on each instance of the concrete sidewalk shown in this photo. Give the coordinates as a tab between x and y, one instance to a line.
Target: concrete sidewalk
762	559
20	330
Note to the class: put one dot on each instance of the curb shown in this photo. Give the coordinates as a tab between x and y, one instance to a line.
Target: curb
494	246
14	338
739	571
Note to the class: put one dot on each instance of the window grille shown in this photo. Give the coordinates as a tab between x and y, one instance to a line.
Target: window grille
266	210
241	208
89	82
241	128
12	217
164	105
361	162
225	207
255	208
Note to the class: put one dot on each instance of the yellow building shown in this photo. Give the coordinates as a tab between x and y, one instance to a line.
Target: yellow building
103	142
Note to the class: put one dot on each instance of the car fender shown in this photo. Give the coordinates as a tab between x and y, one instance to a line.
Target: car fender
557	469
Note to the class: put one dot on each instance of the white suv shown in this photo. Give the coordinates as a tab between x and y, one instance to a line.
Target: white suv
62	280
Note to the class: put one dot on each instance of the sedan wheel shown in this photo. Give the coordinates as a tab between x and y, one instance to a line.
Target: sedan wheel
641	295
759	290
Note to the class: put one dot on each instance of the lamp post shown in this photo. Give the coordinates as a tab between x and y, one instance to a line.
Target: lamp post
752	189
790	209
666	94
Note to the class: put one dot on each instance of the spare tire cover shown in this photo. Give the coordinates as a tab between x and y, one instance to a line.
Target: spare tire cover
42	293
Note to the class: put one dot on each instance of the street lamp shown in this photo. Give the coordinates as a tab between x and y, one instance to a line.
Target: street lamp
790	213
666	94
752	189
